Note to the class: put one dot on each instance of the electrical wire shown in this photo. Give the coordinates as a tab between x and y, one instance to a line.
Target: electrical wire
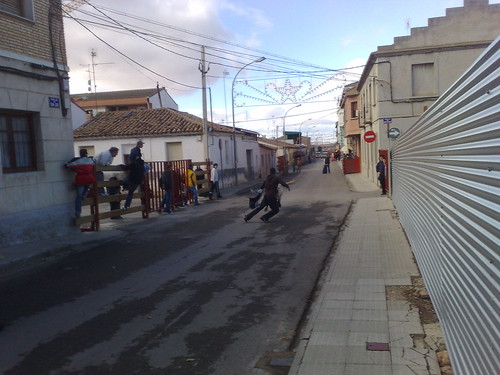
134	61
134	29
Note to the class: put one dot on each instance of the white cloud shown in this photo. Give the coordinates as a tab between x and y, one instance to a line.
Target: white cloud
175	56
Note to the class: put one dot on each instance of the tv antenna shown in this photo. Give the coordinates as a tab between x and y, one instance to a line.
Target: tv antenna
93	55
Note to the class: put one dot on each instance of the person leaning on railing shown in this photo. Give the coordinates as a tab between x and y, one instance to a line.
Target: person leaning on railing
83	166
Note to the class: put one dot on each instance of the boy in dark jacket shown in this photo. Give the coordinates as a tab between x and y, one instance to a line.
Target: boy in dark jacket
270	187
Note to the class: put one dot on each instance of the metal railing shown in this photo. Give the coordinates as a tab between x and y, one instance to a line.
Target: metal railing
150	192
94	199
446	188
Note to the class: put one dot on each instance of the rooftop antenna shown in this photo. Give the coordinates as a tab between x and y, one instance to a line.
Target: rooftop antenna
408	28
93	54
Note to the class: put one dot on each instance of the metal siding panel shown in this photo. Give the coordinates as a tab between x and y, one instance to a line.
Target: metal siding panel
446	188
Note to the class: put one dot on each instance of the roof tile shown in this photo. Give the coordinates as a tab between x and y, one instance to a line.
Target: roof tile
142	123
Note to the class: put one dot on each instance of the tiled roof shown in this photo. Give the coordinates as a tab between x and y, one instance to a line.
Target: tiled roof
146	122
146	93
275	143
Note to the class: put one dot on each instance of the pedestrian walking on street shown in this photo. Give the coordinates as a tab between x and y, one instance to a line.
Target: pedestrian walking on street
381	173
327	163
191	184
214	181
270	187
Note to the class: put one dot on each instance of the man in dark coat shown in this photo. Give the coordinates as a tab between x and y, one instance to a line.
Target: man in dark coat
135	153
135	176
381	173
270	187
166	185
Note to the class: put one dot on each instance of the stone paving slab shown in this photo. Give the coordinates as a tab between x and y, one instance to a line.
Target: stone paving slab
352	308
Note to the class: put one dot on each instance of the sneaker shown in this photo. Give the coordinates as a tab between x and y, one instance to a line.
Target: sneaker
246	219
264	219
124	208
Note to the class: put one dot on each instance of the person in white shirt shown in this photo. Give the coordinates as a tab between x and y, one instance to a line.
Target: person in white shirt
214	181
105	158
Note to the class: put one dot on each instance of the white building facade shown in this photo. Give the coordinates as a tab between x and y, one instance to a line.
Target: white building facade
36	139
171	135
400	81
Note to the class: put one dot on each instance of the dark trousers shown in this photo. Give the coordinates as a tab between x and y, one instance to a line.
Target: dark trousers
100	177
381	178
214	188
130	195
166	202
266	201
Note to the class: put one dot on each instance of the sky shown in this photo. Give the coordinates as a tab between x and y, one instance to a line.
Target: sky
312	49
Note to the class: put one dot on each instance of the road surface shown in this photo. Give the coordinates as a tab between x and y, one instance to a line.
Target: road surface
196	292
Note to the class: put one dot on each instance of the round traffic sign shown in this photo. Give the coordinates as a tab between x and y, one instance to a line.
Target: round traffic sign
394	133
369	136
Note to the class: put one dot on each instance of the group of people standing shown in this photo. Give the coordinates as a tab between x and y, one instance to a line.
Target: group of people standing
83	166
136	167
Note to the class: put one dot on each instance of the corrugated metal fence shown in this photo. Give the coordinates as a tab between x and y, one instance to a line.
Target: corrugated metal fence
446	188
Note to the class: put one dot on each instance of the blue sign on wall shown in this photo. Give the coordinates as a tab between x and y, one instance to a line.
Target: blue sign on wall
54	102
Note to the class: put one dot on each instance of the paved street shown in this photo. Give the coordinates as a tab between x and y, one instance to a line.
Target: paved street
195	292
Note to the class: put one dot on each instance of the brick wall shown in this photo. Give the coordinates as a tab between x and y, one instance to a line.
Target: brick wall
32	38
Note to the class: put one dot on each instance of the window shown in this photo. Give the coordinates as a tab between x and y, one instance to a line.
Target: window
423	82
21	8
17	142
354	109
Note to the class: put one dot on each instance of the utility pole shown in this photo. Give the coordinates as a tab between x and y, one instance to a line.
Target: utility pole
204	99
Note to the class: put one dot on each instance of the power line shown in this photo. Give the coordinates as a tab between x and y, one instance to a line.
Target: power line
134	29
131	59
332	110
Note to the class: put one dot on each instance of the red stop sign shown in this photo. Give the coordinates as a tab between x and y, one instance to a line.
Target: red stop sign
369	136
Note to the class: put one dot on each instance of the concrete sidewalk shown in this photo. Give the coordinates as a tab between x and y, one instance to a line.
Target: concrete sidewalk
355	326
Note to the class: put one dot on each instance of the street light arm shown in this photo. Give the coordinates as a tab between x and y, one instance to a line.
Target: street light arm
260	59
300	127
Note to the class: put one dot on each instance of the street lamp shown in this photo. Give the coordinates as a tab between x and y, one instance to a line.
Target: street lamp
300	127
284	137
307	134
260	59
